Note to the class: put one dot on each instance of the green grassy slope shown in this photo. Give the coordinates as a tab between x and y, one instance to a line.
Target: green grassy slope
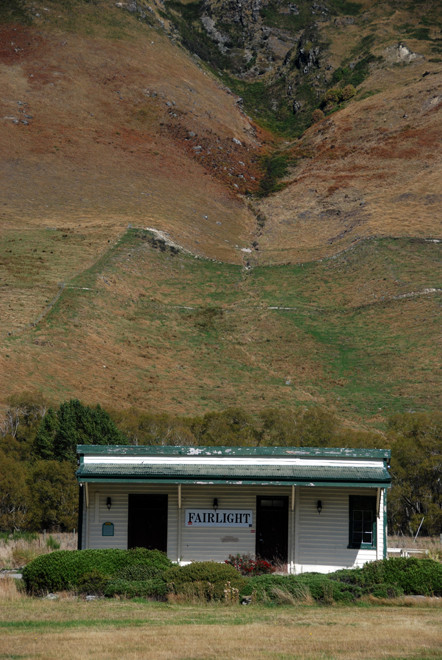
151	326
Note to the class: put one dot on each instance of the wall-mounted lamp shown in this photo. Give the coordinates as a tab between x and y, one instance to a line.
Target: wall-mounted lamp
109	502
215	503
319	506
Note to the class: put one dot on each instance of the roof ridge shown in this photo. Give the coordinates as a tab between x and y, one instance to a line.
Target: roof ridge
222	451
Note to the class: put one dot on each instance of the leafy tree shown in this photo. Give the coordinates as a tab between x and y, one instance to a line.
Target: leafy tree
416	469
276	428
74	424
14	494
145	428
231	427
315	427
20	422
361	439
54	496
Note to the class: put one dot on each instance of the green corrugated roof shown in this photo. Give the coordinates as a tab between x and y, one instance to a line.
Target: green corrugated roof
245	474
169	450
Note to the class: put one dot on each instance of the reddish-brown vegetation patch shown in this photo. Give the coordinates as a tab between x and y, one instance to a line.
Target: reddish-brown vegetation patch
375	153
236	165
18	43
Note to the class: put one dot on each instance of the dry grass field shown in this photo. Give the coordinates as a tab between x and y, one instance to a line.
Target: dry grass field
73	628
16	552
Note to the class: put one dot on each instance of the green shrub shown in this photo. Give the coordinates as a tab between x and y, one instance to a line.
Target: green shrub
348	92
92	582
14	11
139	572
332	95
204	580
52	543
411	575
319	587
324	589
356	75
386	591
63	569
18	536
382	579
414	576
148	588
317	115
275	166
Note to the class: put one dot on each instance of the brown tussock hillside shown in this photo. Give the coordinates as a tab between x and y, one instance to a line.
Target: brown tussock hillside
97	133
371	169
84	133
105	127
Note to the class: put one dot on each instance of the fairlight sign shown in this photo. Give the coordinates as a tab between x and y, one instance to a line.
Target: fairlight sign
219	518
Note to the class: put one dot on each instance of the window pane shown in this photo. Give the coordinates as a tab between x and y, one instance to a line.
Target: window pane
362	520
273	503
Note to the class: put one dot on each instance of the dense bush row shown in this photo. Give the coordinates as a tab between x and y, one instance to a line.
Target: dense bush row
150	574
66	569
205	580
382	579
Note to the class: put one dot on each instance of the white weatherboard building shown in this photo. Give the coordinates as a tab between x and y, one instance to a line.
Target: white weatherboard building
309	509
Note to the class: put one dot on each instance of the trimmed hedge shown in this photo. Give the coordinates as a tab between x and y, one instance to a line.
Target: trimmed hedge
204	580
63	569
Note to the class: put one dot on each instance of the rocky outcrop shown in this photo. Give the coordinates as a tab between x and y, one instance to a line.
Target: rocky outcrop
236	27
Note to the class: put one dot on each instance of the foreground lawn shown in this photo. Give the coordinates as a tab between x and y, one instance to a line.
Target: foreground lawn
71	628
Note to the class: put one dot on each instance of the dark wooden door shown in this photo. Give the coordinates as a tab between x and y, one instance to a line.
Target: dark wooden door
147	525
272	528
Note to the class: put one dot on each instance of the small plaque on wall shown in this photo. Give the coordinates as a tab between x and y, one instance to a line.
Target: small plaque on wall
107	529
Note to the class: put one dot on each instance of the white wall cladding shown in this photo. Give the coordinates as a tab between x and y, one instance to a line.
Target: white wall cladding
217	543
98	513
319	545
197	543
323	538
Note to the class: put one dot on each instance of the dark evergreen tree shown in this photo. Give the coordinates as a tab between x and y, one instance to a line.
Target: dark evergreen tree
74	424
44	439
